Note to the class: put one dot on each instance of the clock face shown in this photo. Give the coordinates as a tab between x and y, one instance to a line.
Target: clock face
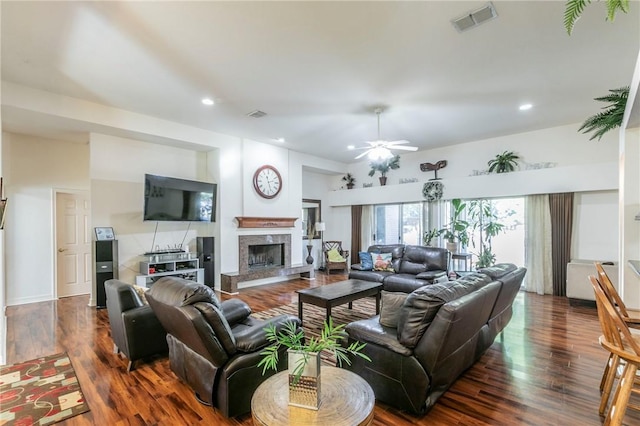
267	181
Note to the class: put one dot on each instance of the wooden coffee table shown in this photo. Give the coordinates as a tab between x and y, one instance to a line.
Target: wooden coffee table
346	399
339	293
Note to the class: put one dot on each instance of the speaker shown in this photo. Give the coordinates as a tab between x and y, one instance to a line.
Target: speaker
106	268
206	259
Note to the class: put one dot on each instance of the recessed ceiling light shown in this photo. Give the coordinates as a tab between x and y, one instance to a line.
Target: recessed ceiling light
281	140
525	107
208	101
351	147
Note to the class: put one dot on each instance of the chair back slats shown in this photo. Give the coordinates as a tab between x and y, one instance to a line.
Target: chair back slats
610	290
615	330
330	245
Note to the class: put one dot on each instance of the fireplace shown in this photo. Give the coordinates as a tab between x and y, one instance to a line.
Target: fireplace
264	252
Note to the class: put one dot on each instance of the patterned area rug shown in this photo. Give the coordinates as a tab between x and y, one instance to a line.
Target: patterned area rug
42	391
314	317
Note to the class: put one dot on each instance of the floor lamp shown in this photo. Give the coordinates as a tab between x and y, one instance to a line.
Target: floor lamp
321	227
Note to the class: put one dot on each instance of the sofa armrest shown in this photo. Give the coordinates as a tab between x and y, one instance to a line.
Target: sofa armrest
235	310
357	267
254	338
431	275
144	335
371	331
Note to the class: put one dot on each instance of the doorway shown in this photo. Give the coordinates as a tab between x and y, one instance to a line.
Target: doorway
72	244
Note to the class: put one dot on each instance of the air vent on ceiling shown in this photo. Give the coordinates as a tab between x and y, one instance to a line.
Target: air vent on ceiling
475	18
257	114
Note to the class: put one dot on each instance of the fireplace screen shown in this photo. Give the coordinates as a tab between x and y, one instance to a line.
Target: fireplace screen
266	256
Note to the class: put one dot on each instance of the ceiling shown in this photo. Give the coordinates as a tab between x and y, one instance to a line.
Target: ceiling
318	69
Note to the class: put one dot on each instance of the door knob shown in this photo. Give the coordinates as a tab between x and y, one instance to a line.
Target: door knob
60	250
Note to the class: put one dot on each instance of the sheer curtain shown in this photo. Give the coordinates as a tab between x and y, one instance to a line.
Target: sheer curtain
537	240
366	227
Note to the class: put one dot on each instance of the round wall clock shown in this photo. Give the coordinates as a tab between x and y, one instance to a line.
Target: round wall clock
267	181
432	190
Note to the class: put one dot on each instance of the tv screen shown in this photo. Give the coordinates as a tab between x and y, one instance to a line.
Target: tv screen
180	200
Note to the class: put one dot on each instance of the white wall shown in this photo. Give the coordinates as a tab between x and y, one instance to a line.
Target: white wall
595	230
561	145
36	167
118	167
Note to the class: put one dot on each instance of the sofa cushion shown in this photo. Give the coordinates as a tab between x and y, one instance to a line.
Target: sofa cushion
334	256
366	261
421	306
413	260
382	262
405	283
390	309
140	291
180	292
396	250
498	270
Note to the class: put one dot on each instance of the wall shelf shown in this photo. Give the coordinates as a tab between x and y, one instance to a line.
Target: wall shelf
266	222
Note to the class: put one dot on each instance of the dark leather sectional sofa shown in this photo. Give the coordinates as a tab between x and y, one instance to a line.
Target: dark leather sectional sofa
413	267
442	330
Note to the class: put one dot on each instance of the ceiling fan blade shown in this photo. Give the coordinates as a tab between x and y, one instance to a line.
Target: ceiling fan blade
363	154
402	142
404	148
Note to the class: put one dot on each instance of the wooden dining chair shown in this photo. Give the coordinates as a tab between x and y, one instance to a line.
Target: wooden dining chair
630	317
623	345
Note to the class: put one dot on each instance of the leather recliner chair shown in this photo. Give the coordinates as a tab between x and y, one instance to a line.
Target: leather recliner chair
135	329
214	347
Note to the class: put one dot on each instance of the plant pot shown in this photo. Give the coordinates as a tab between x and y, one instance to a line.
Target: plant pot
309	258
383	180
350	186
452	247
304	386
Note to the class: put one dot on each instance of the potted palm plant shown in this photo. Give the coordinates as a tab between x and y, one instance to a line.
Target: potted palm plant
349	179
456	229
383	166
304	357
503	163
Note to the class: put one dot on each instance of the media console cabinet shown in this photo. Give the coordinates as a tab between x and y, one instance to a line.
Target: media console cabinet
184	265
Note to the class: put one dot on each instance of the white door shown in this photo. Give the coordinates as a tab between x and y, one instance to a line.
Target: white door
73	244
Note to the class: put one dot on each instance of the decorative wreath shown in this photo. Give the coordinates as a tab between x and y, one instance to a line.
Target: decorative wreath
432	190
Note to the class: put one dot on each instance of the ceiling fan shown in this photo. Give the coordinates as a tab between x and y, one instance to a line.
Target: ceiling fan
380	149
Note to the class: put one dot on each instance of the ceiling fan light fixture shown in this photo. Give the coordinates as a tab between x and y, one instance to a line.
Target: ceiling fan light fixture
379	153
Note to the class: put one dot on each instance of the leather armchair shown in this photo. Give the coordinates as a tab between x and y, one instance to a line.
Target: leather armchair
214	347
135	329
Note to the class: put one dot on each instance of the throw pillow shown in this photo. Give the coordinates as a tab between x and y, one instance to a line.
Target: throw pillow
141	291
334	256
390	309
382	262
366	260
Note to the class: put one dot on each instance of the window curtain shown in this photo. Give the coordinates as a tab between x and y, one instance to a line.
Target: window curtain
537	245
356	233
561	208
366	239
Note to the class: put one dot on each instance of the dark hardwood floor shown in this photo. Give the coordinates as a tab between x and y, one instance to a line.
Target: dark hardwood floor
543	370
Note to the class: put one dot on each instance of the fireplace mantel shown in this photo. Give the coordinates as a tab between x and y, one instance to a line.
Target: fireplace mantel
266	222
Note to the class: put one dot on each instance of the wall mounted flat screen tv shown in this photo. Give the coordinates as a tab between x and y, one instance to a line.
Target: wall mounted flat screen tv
178	200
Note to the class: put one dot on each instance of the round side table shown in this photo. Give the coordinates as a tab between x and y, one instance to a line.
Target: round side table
345	399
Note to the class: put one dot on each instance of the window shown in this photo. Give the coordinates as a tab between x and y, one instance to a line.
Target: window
398	223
